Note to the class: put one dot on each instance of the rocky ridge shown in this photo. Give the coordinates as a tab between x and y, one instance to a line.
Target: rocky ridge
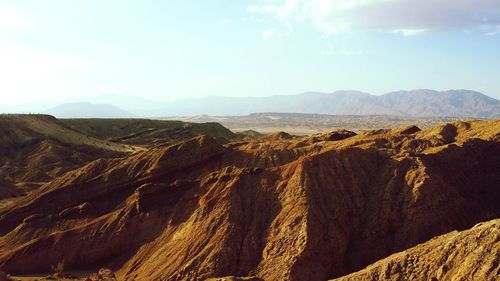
276	208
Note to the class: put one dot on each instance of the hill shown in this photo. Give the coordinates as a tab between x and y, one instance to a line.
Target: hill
37	148
453	256
275	208
88	110
147	132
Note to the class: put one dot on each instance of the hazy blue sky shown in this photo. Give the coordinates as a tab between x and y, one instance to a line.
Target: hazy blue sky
172	49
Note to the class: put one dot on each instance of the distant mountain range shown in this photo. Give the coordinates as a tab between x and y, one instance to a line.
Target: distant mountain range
457	103
409	103
88	110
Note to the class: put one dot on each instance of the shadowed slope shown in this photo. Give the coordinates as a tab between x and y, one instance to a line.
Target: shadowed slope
472	254
37	148
147	132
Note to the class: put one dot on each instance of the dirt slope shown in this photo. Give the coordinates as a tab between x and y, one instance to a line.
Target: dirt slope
20	125
37	148
147	132
276	208
466	255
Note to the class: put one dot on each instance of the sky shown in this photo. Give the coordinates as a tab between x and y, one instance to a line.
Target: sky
165	50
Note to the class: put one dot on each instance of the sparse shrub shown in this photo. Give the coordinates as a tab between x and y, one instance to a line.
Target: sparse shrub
104	274
5	277
58	269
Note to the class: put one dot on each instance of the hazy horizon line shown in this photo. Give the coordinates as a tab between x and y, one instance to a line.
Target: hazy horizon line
84	98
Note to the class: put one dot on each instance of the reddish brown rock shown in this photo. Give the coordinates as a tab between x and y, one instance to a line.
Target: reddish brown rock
275	209
472	254
339	135
407	130
104	274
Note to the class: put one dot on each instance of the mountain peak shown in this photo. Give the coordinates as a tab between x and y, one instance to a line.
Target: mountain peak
420	102
88	110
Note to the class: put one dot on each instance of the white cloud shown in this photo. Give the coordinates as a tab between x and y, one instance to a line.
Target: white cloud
268	33
410	32
10	20
407	17
494	32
